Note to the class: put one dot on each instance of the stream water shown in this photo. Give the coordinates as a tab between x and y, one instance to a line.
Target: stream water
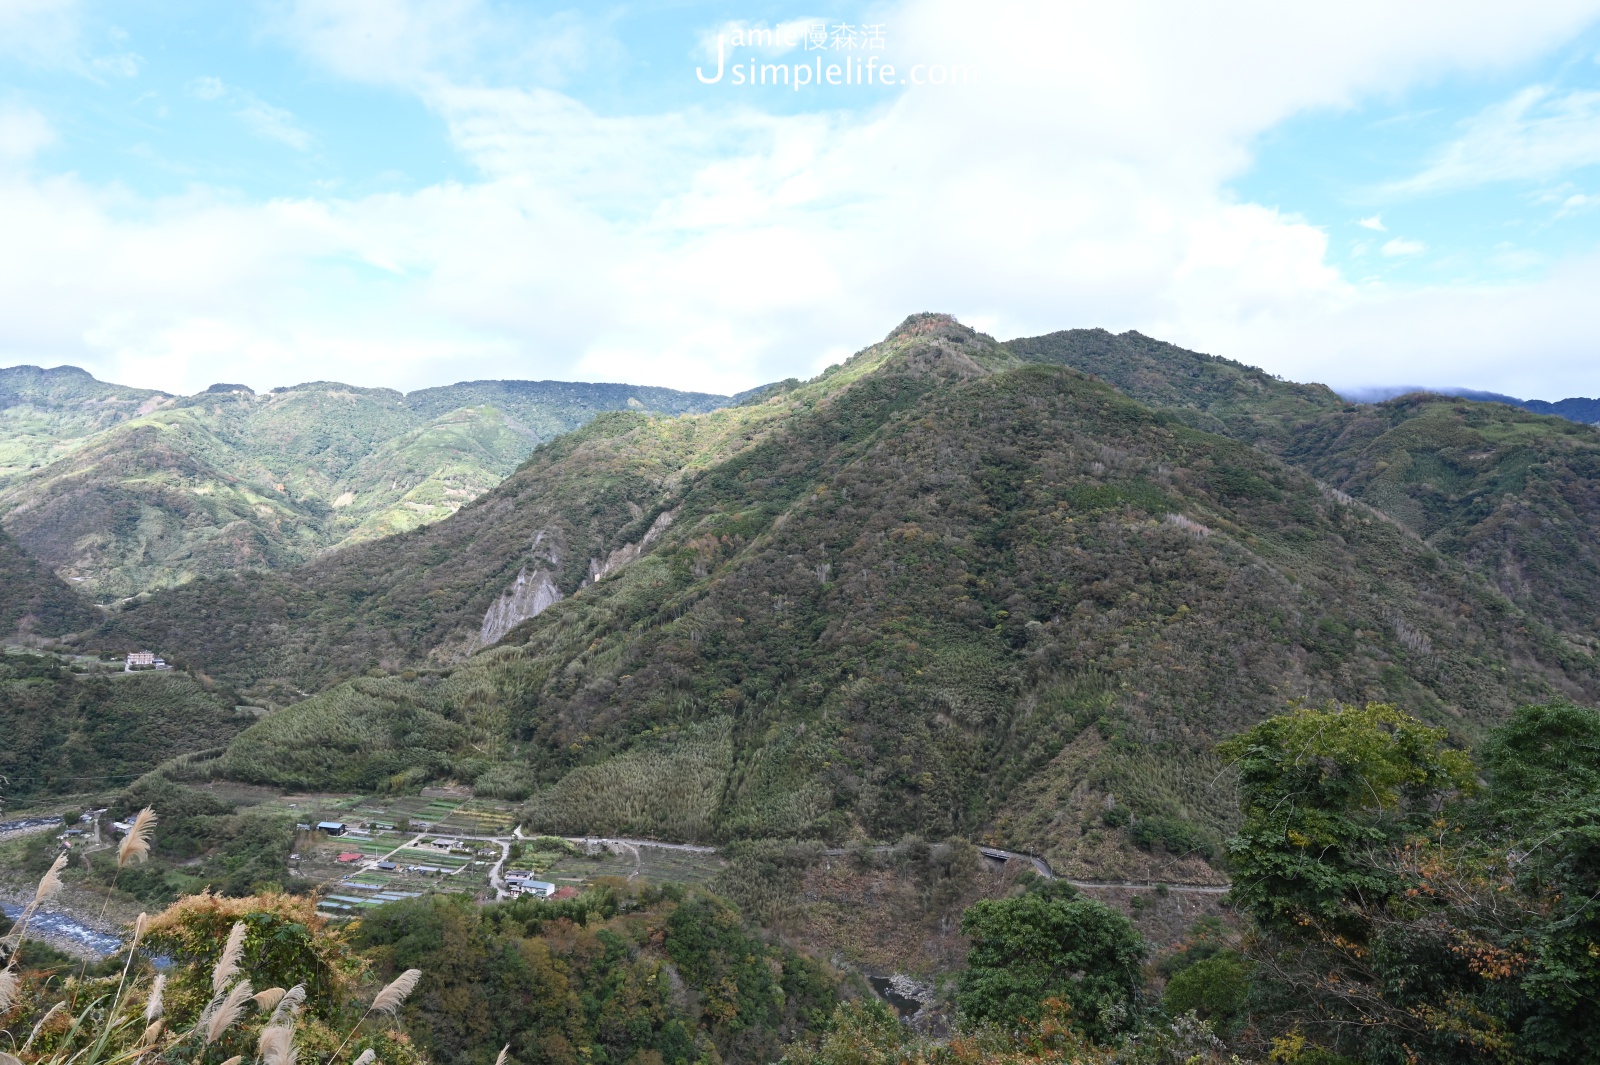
58	927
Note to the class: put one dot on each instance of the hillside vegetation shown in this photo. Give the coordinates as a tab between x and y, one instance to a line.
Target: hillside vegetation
939	590
1514	495
33	599
123	490
70	734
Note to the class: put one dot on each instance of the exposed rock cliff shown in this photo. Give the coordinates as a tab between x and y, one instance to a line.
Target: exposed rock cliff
528	597
625	554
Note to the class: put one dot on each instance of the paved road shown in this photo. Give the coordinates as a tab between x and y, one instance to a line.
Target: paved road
1045	871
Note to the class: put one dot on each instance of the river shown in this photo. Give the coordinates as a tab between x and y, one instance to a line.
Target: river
66	933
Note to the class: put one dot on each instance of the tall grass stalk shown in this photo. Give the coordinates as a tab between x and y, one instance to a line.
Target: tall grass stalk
387	1001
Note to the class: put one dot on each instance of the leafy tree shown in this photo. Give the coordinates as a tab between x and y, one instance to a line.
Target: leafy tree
1215	988
1320	790
1542	806
1402	927
1048	943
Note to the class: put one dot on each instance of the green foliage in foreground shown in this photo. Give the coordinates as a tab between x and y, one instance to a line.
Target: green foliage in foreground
617	975
200	1009
1404	915
1321	791
1049	943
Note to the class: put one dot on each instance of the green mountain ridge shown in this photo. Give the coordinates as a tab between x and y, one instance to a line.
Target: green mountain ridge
122	490
1514	494
949	587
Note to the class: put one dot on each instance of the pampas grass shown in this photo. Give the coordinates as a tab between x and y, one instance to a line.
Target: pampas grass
388	1000
227	1012
50	883
8	988
288	1007
275	1046
227	966
135	846
269	999
51	1012
367	1057
501	1060
391	997
153	1007
9	1059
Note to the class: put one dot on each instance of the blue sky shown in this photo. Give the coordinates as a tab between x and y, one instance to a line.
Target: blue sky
406	194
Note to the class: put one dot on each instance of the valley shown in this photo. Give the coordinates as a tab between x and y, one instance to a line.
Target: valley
956	622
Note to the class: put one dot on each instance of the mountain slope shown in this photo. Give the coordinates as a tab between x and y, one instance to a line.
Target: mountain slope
121	490
67	734
45	414
941	590
1205	391
1513	495
34	600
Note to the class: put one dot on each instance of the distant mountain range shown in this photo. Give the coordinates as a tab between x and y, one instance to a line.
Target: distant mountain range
120	490
1575	409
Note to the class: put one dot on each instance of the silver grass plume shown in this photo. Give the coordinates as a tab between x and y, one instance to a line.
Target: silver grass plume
275	1046
227	1012
289	1006
152	1005
501	1060
234	1060
269	999
51	1012
49	884
390	998
8	989
9	1059
366	1057
135	845
227	966
150	1034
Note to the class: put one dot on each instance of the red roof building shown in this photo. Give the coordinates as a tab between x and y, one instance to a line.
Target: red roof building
350	857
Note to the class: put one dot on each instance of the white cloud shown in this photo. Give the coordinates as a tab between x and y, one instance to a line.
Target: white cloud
1577	203
23	132
408	43
1374	223
122	64
1081	182
1400	246
273	123
1535	135
206	88
261	118
41	32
